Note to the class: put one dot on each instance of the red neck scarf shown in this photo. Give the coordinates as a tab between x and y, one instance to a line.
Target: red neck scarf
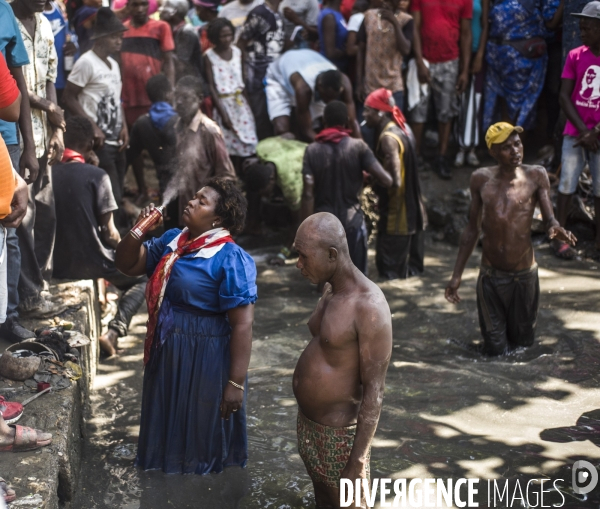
155	289
70	155
380	100
332	134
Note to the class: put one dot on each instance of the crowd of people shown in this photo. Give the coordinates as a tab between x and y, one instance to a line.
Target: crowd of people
260	100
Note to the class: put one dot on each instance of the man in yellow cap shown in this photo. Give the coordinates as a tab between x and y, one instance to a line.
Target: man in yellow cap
503	199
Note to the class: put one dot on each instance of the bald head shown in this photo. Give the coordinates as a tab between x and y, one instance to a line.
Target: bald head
322	247
323	230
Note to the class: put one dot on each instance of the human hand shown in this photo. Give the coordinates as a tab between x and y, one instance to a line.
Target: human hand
559	233
56	116
232	400
423	73
99	136
56	147
145	212
462	82
123	138
387	14
477	63
451	293
588	140
226	121
92	158
352	471
292	16
18	205
69	48
29	163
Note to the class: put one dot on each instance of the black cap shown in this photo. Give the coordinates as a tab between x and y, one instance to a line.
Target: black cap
106	23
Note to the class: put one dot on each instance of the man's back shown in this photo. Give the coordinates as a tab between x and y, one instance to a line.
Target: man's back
82	194
337	169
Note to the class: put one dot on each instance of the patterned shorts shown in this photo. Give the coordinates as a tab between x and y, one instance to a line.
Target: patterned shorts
325	450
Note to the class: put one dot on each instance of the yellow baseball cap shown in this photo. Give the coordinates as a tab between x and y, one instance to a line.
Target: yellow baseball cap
499	132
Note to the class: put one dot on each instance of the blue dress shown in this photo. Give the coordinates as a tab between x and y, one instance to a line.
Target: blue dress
519	80
341	36
181	430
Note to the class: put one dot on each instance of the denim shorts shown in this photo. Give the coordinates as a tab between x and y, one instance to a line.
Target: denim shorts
573	162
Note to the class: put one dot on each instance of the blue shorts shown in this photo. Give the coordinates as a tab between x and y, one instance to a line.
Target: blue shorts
573	161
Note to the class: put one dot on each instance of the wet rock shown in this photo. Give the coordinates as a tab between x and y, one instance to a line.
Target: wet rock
454	229
438	214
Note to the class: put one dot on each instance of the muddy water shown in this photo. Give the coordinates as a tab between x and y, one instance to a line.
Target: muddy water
447	412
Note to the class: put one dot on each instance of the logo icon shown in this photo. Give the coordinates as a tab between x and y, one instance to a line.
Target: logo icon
585	477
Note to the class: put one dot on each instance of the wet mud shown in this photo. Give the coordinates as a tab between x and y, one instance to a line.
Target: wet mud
447	413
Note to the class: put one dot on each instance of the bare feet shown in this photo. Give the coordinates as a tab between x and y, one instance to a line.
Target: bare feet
109	342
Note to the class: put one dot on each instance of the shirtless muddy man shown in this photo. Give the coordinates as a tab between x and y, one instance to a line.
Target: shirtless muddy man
340	376
504	198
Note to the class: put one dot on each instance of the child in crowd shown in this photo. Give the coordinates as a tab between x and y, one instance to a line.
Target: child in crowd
223	64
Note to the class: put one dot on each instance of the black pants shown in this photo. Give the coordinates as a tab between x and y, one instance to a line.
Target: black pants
508	304
400	256
114	164
357	238
258	105
133	296
36	236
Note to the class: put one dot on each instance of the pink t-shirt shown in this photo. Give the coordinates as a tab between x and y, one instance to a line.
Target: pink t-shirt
583	67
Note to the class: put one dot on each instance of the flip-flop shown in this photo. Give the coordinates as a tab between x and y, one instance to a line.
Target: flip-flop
11	411
8	494
564	251
27	439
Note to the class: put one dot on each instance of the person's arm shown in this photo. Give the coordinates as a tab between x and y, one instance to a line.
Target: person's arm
373	325
293	17
108	231
382	176
554	22
348	99
466	43
391	160
422	69
56	145
168	67
553	228
588	138
131	254
210	78
240	348
307	204
303	117
477	63
403	45
28	161
360	64
329	29
469	237
124	133
352	44
18	204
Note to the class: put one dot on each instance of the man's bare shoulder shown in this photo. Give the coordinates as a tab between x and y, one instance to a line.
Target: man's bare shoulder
370	303
483	174
535	172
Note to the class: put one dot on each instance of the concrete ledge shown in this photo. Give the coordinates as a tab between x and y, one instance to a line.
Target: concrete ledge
47	478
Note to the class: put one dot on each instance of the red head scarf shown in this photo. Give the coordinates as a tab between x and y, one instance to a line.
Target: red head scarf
380	100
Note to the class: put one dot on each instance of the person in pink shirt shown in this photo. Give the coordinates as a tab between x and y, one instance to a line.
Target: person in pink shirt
580	100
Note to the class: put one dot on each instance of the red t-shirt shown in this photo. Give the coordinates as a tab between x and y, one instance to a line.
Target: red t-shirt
440	27
141	58
8	86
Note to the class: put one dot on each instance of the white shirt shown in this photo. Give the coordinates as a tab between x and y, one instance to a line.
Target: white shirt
101	94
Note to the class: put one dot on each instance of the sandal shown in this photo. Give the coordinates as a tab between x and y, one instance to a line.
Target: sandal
8	494
11	411
27	439
563	251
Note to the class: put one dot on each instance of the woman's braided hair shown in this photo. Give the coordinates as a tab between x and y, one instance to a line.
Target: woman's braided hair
232	204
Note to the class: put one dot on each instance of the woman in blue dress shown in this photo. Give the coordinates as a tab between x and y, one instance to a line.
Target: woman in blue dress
200	297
